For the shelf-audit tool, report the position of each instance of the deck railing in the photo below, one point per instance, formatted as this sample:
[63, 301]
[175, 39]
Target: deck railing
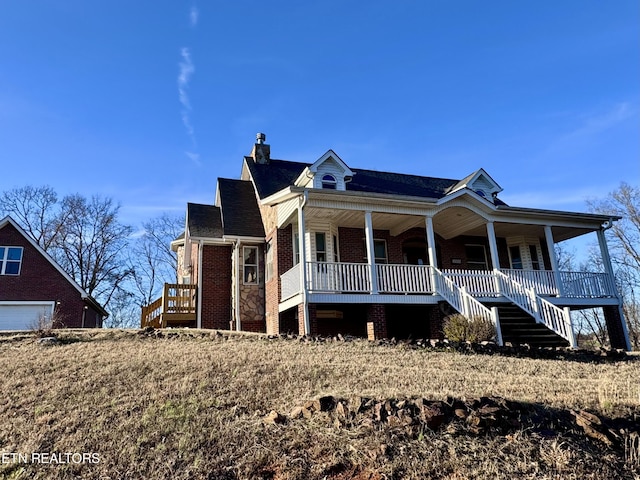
[177, 300]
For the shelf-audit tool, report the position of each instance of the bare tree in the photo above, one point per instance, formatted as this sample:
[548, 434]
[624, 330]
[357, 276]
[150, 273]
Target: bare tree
[151, 257]
[37, 210]
[92, 243]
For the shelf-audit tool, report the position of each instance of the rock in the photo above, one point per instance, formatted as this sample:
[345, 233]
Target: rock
[274, 418]
[296, 412]
[592, 426]
[342, 411]
[433, 415]
[48, 341]
[461, 413]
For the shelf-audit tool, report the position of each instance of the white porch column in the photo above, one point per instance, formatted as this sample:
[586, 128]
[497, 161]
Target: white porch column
[371, 254]
[493, 252]
[303, 263]
[431, 251]
[431, 243]
[604, 253]
[493, 246]
[548, 234]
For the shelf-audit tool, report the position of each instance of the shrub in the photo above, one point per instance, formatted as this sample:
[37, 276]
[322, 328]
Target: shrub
[459, 328]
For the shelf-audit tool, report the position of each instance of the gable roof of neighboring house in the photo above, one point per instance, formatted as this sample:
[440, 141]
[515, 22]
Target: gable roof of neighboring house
[276, 175]
[83, 294]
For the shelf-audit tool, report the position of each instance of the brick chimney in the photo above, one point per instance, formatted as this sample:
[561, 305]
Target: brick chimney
[261, 152]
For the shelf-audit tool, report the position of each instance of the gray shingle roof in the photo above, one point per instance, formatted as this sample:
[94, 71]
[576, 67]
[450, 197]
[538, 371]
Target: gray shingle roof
[204, 221]
[240, 211]
[278, 174]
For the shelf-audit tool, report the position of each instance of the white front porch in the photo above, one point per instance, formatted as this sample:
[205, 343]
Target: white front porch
[356, 278]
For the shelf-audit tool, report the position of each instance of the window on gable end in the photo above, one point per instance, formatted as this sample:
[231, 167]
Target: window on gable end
[329, 182]
[10, 260]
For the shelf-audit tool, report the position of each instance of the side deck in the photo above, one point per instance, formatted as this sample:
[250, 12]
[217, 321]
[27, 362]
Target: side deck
[175, 308]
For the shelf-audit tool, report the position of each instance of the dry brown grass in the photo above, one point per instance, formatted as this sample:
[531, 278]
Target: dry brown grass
[191, 406]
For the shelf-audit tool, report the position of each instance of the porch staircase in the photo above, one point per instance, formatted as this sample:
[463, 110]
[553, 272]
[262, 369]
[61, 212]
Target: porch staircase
[527, 319]
[518, 328]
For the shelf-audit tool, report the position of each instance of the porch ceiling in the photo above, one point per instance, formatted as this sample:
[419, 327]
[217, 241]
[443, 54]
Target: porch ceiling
[395, 223]
[449, 223]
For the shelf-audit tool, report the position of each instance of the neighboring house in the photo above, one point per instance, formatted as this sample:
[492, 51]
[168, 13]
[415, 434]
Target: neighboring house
[325, 248]
[34, 290]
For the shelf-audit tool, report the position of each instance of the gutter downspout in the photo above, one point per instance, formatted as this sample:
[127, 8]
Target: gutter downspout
[303, 260]
[199, 295]
[236, 262]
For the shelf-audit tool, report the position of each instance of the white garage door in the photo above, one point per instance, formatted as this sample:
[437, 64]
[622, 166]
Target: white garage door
[23, 316]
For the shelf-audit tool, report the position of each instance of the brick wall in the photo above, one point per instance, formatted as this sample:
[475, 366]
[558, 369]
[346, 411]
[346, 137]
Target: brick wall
[216, 286]
[376, 322]
[282, 243]
[39, 280]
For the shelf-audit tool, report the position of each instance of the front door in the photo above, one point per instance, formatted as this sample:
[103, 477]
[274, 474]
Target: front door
[414, 252]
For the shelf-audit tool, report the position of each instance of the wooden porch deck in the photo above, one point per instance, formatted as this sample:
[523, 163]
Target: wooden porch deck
[175, 308]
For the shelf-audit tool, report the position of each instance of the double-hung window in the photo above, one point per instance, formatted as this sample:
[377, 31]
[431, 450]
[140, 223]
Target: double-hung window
[10, 260]
[379, 250]
[250, 265]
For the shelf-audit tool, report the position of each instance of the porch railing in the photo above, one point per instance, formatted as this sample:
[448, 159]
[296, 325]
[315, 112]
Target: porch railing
[404, 278]
[543, 282]
[481, 283]
[587, 285]
[340, 277]
[290, 282]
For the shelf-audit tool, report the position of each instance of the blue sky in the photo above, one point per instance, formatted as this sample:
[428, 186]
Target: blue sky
[150, 102]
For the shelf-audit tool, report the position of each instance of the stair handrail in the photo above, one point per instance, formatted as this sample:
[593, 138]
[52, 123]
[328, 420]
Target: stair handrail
[554, 318]
[460, 299]
[522, 296]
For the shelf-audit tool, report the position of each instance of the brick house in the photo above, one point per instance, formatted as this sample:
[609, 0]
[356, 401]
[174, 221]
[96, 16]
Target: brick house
[325, 248]
[35, 289]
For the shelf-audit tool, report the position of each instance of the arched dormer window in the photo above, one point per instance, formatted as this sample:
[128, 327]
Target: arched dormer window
[329, 182]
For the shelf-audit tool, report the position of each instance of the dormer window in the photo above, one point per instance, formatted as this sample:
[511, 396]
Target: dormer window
[329, 182]
[481, 193]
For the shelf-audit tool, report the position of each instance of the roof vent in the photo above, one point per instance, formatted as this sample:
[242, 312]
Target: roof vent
[261, 152]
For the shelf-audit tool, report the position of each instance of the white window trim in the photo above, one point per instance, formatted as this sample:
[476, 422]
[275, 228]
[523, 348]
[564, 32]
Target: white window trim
[268, 261]
[5, 259]
[331, 184]
[256, 265]
[296, 247]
